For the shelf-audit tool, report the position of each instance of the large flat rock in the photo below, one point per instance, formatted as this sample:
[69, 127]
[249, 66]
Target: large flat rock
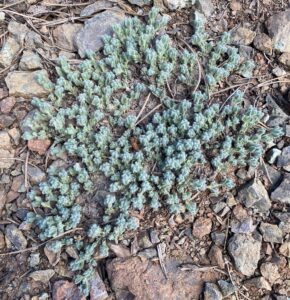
[143, 279]
[24, 84]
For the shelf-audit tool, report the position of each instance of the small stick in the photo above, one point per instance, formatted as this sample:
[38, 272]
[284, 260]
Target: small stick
[18, 159]
[66, 5]
[143, 107]
[230, 88]
[25, 170]
[150, 112]
[265, 167]
[199, 66]
[38, 246]
[12, 4]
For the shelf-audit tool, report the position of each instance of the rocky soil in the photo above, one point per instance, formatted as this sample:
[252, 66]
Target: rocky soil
[237, 247]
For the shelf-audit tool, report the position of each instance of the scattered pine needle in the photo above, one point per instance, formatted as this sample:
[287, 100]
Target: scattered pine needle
[42, 244]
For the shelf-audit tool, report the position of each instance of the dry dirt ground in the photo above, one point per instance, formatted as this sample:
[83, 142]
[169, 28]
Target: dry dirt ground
[171, 257]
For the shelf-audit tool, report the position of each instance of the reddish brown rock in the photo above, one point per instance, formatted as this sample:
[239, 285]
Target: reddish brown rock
[216, 256]
[39, 146]
[7, 104]
[143, 279]
[201, 227]
[65, 290]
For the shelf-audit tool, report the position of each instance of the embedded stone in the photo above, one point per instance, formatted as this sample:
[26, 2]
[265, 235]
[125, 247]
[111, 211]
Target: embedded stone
[278, 26]
[243, 36]
[212, 292]
[7, 104]
[263, 43]
[102, 5]
[15, 237]
[9, 50]
[64, 290]
[140, 3]
[282, 192]
[270, 271]
[271, 233]
[245, 251]
[39, 146]
[90, 37]
[24, 84]
[30, 61]
[42, 275]
[201, 227]
[64, 35]
[254, 195]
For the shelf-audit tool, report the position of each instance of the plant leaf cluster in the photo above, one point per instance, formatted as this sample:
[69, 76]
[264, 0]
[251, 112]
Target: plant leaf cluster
[187, 147]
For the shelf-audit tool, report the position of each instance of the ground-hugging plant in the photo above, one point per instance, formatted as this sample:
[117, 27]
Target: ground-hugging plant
[190, 145]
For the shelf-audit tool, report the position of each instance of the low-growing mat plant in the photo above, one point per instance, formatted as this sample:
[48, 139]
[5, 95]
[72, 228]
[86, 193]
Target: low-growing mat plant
[190, 144]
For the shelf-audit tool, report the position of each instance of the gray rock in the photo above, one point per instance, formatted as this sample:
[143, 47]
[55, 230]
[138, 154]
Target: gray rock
[245, 251]
[254, 195]
[90, 36]
[259, 282]
[6, 121]
[30, 61]
[227, 288]
[278, 27]
[35, 174]
[33, 40]
[15, 237]
[284, 158]
[243, 36]
[98, 289]
[272, 155]
[263, 43]
[212, 292]
[99, 6]
[246, 52]
[9, 50]
[284, 218]
[18, 30]
[243, 226]
[179, 4]
[218, 207]
[273, 174]
[140, 3]
[270, 271]
[148, 253]
[218, 238]
[271, 233]
[276, 110]
[24, 84]
[287, 131]
[205, 6]
[282, 192]
[64, 35]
